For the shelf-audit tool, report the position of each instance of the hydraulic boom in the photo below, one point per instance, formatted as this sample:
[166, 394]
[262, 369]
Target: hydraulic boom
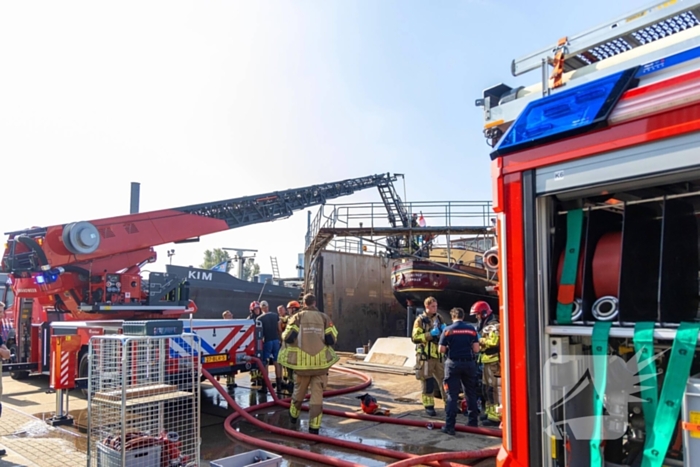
[90, 267]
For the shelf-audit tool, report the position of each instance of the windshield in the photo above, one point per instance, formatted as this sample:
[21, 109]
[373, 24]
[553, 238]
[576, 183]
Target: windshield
[7, 296]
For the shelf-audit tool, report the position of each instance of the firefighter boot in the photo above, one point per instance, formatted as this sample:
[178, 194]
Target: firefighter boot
[231, 383]
[429, 404]
[280, 386]
[493, 418]
[485, 414]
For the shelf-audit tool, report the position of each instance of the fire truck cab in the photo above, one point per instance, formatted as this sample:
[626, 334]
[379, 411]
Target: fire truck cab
[596, 172]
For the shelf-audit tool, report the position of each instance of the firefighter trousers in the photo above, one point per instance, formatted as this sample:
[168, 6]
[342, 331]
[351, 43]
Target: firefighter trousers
[316, 384]
[491, 374]
[458, 375]
[431, 374]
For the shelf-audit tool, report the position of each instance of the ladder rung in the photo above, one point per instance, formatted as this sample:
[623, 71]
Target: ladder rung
[623, 34]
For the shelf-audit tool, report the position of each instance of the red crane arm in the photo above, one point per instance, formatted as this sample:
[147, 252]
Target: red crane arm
[93, 267]
[123, 234]
[83, 242]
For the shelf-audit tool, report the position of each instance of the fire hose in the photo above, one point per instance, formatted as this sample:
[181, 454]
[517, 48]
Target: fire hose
[240, 412]
[370, 418]
[238, 436]
[442, 456]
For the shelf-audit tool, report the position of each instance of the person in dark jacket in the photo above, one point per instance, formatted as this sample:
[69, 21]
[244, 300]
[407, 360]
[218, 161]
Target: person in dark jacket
[460, 343]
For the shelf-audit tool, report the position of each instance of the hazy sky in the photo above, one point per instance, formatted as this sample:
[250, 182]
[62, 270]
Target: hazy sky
[208, 100]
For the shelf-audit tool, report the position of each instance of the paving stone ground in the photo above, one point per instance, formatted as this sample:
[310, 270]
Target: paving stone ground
[54, 447]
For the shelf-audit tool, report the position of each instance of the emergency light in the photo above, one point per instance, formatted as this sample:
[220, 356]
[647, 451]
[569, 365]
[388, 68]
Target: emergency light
[566, 113]
[48, 277]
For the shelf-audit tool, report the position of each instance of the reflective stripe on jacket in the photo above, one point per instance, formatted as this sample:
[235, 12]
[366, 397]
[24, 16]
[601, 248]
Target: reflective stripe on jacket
[425, 343]
[311, 334]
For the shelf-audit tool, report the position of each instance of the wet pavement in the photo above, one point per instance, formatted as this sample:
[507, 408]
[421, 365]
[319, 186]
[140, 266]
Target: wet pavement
[30, 439]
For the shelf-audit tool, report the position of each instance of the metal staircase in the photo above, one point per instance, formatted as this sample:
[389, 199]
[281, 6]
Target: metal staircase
[275, 268]
[393, 204]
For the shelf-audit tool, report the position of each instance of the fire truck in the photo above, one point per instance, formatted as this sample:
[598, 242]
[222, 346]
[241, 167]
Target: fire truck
[596, 180]
[85, 278]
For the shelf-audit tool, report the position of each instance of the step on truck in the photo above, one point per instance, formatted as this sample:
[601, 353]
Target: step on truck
[596, 179]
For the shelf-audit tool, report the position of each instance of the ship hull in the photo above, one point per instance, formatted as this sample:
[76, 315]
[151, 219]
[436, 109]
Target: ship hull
[414, 281]
[214, 292]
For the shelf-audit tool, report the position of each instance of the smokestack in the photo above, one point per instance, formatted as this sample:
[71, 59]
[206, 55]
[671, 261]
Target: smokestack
[135, 196]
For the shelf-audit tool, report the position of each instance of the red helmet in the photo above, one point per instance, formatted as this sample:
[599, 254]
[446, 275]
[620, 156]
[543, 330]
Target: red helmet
[482, 309]
[254, 305]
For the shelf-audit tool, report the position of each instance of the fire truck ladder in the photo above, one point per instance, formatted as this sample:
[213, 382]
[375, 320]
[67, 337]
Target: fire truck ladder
[607, 40]
[394, 206]
[282, 204]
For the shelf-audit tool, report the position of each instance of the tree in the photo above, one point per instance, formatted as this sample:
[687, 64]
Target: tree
[250, 269]
[212, 258]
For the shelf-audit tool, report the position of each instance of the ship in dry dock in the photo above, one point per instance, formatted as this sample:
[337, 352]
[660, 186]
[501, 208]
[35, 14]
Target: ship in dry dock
[457, 276]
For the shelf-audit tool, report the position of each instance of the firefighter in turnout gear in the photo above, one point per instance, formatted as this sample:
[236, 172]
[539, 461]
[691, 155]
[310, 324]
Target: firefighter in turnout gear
[489, 357]
[429, 367]
[293, 308]
[256, 378]
[308, 351]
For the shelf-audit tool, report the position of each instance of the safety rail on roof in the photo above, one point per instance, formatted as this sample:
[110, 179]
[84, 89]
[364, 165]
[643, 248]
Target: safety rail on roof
[613, 38]
[374, 215]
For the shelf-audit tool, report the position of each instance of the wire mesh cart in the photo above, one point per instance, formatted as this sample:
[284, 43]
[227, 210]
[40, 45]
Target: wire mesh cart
[143, 399]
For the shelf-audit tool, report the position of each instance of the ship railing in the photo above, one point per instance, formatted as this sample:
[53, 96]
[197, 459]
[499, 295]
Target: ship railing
[374, 215]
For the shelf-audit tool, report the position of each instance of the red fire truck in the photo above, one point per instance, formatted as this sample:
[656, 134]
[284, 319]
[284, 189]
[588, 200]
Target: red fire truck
[596, 176]
[84, 278]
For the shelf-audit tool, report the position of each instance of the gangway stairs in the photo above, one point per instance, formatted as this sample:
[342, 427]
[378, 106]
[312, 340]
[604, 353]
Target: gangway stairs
[394, 206]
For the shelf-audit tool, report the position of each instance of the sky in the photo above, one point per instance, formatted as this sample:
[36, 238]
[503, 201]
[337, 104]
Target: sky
[203, 101]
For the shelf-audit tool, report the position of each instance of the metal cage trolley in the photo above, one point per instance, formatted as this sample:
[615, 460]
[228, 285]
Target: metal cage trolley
[144, 397]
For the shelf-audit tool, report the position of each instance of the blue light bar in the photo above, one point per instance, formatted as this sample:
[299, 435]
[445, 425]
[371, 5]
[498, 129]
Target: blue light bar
[569, 112]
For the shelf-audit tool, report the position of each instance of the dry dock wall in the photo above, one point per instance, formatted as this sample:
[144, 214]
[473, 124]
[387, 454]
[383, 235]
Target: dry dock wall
[357, 295]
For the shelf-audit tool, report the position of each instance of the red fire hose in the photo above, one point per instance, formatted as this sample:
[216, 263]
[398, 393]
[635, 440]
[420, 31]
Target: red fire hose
[370, 418]
[341, 443]
[439, 456]
[237, 435]
[606, 264]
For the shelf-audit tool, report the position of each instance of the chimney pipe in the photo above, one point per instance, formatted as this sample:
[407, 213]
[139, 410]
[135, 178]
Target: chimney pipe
[135, 197]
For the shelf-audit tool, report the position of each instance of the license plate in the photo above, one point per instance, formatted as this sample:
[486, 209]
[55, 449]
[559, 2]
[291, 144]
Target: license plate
[216, 358]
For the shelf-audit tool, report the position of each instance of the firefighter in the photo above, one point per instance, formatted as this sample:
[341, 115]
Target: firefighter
[256, 379]
[429, 366]
[308, 351]
[489, 357]
[255, 310]
[287, 373]
[460, 344]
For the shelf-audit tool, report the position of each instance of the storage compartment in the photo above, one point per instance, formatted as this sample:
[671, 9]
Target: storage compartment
[637, 270]
[569, 416]
[638, 255]
[257, 458]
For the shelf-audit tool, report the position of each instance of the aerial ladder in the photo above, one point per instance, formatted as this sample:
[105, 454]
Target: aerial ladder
[90, 271]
